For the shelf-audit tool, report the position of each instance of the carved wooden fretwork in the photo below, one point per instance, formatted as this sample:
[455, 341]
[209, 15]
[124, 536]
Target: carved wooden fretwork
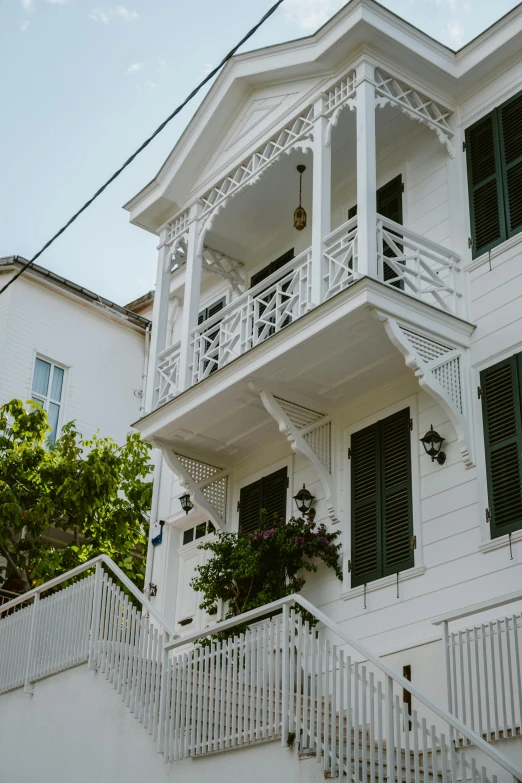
[308, 433]
[439, 369]
[296, 135]
[207, 484]
[178, 226]
[225, 266]
[339, 97]
[415, 105]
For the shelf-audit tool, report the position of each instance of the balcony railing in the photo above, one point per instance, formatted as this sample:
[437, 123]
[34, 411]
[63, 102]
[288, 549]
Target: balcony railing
[406, 261]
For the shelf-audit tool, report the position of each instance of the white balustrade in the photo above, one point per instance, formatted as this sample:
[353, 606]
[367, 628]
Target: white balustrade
[279, 678]
[340, 258]
[168, 373]
[256, 315]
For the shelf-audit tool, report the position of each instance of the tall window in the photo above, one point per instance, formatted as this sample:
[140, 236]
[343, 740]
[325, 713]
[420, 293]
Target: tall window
[501, 395]
[268, 493]
[47, 389]
[494, 158]
[382, 522]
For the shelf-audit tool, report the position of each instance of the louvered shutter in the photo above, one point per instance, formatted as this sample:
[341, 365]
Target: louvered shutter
[397, 520]
[485, 185]
[272, 267]
[389, 205]
[250, 499]
[510, 121]
[501, 406]
[366, 502]
[274, 493]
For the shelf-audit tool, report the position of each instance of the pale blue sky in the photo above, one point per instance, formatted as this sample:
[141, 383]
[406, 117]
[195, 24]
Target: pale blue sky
[83, 82]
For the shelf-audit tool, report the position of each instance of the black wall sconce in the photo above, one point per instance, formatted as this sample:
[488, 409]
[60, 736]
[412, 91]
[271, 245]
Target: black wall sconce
[303, 501]
[186, 503]
[432, 443]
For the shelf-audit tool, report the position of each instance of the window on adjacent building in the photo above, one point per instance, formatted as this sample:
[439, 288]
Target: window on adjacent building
[47, 389]
[494, 158]
[501, 395]
[268, 493]
[382, 521]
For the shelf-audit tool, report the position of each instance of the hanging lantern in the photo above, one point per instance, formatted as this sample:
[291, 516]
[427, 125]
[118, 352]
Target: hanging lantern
[304, 500]
[186, 503]
[432, 443]
[300, 213]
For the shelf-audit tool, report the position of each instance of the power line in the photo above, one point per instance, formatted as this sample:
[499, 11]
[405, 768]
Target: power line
[145, 143]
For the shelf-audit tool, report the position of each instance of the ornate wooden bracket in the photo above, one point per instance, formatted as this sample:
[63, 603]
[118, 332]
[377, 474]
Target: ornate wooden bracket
[439, 368]
[312, 441]
[207, 484]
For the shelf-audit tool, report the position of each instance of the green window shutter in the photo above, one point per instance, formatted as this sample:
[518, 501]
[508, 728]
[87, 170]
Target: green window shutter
[501, 407]
[397, 516]
[366, 501]
[510, 122]
[389, 205]
[250, 499]
[485, 185]
[269, 269]
[274, 493]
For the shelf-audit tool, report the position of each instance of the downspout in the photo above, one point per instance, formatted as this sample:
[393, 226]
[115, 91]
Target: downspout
[145, 369]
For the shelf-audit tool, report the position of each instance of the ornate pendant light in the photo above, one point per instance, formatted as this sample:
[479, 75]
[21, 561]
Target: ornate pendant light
[300, 214]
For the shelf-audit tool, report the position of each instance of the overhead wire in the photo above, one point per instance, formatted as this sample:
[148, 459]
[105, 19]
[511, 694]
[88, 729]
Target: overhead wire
[145, 144]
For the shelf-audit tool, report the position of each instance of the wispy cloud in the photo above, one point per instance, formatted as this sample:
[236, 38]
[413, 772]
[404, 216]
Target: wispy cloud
[459, 12]
[27, 5]
[308, 15]
[206, 70]
[161, 66]
[134, 67]
[119, 12]
[24, 26]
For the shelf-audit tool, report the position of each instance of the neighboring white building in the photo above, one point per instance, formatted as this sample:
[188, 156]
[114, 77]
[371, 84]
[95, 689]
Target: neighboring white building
[322, 357]
[82, 356]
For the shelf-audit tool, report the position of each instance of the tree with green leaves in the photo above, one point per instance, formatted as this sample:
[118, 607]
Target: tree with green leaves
[93, 490]
[249, 570]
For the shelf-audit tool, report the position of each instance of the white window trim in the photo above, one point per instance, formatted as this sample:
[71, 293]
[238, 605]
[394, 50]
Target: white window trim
[238, 485]
[419, 568]
[487, 544]
[65, 387]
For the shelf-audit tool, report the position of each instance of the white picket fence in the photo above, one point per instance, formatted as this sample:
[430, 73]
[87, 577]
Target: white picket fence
[278, 679]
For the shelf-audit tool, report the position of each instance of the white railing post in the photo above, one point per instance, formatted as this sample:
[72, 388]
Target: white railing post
[159, 321]
[28, 688]
[95, 619]
[189, 318]
[447, 672]
[321, 200]
[285, 676]
[366, 171]
[390, 745]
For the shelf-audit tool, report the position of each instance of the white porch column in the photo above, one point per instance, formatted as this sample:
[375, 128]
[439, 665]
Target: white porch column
[366, 171]
[159, 321]
[321, 199]
[189, 319]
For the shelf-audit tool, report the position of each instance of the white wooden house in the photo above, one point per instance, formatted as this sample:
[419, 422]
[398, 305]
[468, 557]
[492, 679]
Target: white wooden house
[321, 357]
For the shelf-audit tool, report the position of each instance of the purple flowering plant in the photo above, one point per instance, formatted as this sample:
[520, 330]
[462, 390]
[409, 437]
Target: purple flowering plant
[247, 570]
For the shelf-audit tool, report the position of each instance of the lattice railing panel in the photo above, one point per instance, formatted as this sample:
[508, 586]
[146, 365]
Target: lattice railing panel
[216, 494]
[299, 416]
[168, 372]
[265, 155]
[340, 92]
[340, 258]
[198, 471]
[178, 226]
[448, 375]
[320, 441]
[427, 349]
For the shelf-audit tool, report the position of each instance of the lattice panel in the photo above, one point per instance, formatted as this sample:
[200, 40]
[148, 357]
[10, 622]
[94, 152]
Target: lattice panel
[168, 374]
[216, 494]
[340, 92]
[199, 471]
[320, 441]
[299, 416]
[340, 258]
[283, 141]
[178, 226]
[427, 349]
[448, 375]
[413, 103]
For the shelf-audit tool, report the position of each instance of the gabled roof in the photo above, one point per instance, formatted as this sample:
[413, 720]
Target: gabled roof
[360, 23]
[36, 271]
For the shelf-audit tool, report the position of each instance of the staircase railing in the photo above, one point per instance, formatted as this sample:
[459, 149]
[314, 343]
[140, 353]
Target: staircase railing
[280, 678]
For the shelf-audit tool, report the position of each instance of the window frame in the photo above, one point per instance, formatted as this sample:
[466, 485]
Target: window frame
[45, 401]
[500, 174]
[416, 452]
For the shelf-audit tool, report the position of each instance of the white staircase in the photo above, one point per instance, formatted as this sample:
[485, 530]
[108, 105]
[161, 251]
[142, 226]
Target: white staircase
[316, 687]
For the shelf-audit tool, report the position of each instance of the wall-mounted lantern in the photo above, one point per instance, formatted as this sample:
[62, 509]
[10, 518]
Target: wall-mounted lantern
[303, 501]
[432, 443]
[186, 503]
[300, 213]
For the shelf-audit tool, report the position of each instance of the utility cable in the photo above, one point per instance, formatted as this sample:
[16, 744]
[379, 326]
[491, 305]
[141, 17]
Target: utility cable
[145, 143]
